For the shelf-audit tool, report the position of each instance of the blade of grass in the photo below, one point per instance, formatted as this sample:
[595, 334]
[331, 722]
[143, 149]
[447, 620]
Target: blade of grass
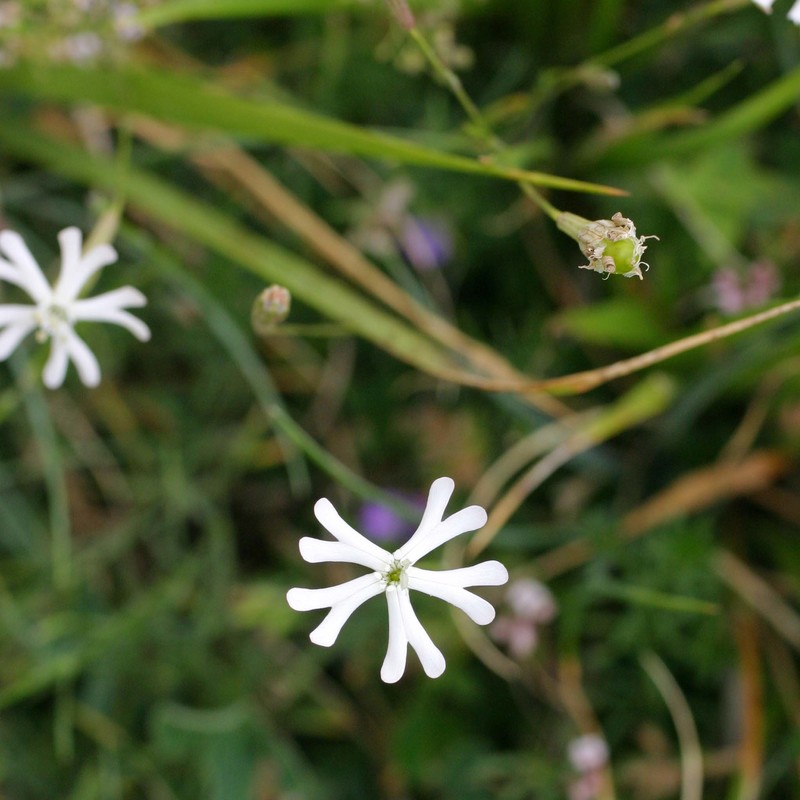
[168, 13]
[691, 751]
[208, 107]
[746, 117]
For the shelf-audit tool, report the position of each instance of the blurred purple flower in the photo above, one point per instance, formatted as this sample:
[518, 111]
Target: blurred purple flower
[382, 523]
[426, 243]
[389, 227]
[733, 292]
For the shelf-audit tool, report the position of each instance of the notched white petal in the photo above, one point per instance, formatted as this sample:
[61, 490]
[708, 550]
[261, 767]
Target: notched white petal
[108, 307]
[487, 573]
[77, 269]
[317, 551]
[468, 519]
[476, 608]
[326, 633]
[329, 518]
[438, 497]
[310, 599]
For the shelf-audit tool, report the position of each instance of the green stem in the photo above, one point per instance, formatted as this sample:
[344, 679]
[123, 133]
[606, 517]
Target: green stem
[44, 434]
[474, 114]
[673, 25]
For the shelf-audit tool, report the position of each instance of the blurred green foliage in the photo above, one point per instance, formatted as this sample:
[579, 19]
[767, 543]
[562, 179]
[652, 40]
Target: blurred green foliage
[149, 527]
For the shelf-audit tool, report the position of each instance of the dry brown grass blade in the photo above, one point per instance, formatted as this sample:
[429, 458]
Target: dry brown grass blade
[580, 382]
[758, 594]
[751, 751]
[704, 487]
[688, 494]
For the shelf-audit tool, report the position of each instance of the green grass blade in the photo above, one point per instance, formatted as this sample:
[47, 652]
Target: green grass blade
[202, 106]
[168, 13]
[748, 116]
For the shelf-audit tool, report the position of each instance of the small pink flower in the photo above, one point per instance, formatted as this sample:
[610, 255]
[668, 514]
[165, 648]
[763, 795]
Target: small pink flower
[588, 753]
[532, 600]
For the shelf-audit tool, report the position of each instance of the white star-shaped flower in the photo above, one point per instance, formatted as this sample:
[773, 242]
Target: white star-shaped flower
[57, 309]
[394, 575]
[794, 11]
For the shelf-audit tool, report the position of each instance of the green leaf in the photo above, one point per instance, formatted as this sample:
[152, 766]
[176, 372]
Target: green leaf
[620, 322]
[167, 13]
[206, 107]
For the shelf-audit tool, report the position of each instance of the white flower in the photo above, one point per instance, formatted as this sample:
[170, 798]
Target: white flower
[394, 575]
[794, 11]
[57, 309]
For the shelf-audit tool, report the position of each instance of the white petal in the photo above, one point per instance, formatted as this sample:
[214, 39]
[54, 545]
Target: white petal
[71, 242]
[438, 497]
[794, 13]
[10, 274]
[310, 599]
[476, 608]
[13, 313]
[316, 551]
[327, 631]
[76, 269]
[329, 518]
[55, 370]
[394, 664]
[13, 335]
[124, 297]
[30, 276]
[468, 519]
[429, 654]
[766, 5]
[84, 360]
[487, 573]
[88, 311]
[343, 599]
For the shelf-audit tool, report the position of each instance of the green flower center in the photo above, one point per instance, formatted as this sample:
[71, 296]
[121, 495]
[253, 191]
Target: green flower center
[52, 320]
[396, 574]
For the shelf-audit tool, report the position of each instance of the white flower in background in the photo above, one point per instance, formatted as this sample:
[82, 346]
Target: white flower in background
[394, 575]
[57, 309]
[794, 11]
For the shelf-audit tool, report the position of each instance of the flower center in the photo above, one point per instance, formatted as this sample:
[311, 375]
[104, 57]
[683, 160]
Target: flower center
[52, 319]
[396, 574]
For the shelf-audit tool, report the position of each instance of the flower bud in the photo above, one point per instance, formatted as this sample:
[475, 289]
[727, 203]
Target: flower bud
[611, 245]
[270, 308]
